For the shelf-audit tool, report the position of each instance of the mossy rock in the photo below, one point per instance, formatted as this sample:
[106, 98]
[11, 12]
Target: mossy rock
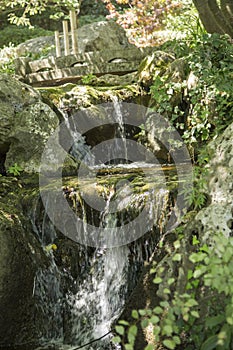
[152, 65]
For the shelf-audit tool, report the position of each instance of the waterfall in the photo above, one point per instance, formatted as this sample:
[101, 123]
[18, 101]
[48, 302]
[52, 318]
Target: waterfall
[101, 297]
[85, 293]
[79, 149]
[120, 132]
[85, 309]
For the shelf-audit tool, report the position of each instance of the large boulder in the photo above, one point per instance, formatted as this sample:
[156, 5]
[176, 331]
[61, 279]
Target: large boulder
[97, 36]
[218, 216]
[25, 124]
[100, 36]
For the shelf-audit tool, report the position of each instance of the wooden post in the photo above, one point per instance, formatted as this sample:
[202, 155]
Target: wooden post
[66, 37]
[73, 25]
[57, 43]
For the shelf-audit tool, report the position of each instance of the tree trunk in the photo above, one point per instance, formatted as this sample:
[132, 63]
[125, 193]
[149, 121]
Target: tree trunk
[220, 17]
[227, 8]
[214, 18]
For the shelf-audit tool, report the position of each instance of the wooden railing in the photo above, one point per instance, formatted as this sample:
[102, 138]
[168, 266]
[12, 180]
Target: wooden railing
[65, 36]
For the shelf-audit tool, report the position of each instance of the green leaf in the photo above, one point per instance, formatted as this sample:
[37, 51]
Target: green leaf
[167, 329]
[164, 304]
[135, 314]
[229, 320]
[176, 339]
[149, 347]
[177, 257]
[224, 336]
[158, 310]
[205, 248]
[123, 322]
[199, 271]
[120, 330]
[197, 257]
[190, 274]
[191, 302]
[144, 323]
[214, 321]
[154, 319]
[157, 280]
[195, 240]
[210, 343]
[116, 340]
[170, 344]
[131, 338]
[176, 244]
[195, 314]
[166, 291]
[156, 330]
[143, 312]
[128, 347]
[133, 330]
[171, 281]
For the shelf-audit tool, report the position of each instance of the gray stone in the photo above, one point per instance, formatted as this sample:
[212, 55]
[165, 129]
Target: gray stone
[96, 36]
[103, 35]
[20, 257]
[218, 216]
[25, 124]
[36, 46]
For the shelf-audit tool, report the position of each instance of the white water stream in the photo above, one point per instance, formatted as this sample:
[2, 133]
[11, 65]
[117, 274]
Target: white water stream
[97, 297]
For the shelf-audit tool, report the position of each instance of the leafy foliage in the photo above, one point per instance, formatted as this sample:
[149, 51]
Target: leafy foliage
[141, 18]
[200, 101]
[202, 313]
[88, 79]
[15, 170]
[21, 10]
[17, 35]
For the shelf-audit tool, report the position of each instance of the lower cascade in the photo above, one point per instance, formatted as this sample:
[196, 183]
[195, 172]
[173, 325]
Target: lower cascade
[84, 293]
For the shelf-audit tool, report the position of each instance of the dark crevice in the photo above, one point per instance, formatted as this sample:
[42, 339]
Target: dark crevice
[3, 152]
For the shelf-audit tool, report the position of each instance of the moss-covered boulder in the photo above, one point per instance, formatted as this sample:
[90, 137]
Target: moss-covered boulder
[25, 124]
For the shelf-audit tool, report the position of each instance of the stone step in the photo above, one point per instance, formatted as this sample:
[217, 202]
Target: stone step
[55, 70]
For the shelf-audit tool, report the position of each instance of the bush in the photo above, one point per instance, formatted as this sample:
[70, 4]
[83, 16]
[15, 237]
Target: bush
[16, 35]
[201, 317]
[200, 103]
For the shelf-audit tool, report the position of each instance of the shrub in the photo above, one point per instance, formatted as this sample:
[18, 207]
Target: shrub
[16, 35]
[200, 104]
[202, 315]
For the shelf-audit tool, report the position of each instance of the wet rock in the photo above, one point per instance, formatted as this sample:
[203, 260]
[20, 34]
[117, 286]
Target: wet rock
[20, 257]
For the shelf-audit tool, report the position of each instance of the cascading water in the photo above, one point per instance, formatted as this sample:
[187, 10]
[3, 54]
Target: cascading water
[83, 301]
[120, 132]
